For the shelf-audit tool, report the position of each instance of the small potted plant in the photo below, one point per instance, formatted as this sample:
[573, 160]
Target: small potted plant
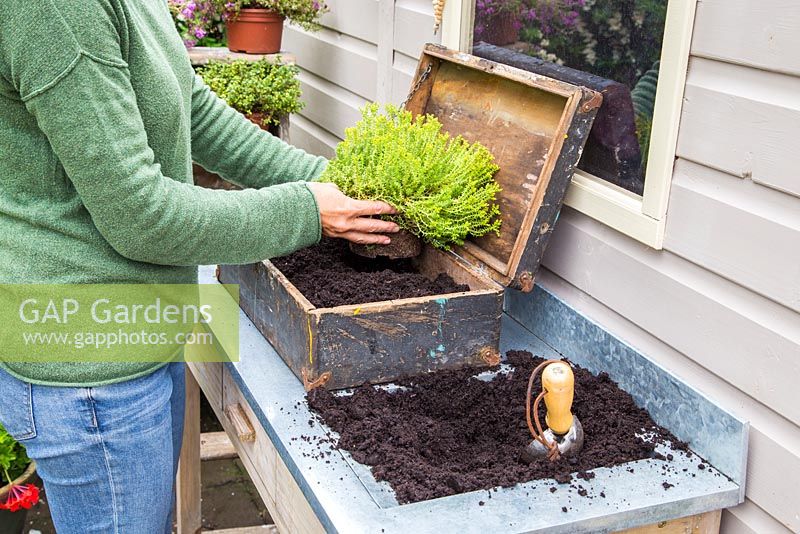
[442, 186]
[256, 26]
[498, 22]
[261, 90]
[17, 491]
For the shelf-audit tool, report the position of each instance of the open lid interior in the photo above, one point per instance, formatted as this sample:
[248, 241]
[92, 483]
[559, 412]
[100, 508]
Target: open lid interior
[525, 120]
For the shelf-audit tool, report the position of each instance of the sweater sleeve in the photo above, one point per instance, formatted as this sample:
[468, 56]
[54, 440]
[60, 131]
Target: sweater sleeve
[225, 142]
[81, 95]
[93, 124]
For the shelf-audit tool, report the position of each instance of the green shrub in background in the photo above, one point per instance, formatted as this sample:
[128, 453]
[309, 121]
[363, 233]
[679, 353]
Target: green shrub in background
[441, 186]
[13, 458]
[255, 87]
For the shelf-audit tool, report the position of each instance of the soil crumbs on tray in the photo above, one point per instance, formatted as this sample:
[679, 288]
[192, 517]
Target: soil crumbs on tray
[450, 433]
[330, 275]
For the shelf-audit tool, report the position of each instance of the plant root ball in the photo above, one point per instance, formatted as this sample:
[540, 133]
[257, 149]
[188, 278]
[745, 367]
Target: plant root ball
[404, 245]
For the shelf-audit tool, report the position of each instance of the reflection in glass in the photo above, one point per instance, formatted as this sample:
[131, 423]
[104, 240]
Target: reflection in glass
[612, 46]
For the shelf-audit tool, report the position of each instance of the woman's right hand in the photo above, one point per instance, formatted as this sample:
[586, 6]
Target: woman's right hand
[351, 219]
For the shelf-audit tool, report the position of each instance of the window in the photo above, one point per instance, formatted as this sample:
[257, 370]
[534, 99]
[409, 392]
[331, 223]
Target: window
[624, 177]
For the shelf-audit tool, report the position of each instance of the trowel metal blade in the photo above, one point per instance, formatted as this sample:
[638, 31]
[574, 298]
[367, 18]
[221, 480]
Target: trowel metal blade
[569, 444]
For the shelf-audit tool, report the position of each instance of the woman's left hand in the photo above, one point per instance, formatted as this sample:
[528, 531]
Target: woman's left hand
[352, 219]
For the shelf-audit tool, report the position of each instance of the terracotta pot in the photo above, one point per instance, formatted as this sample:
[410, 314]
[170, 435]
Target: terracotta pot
[255, 31]
[14, 522]
[502, 30]
[257, 118]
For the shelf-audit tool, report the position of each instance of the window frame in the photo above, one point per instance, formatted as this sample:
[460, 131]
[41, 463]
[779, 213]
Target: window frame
[641, 217]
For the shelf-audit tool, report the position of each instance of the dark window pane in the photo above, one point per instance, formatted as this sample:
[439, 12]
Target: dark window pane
[612, 46]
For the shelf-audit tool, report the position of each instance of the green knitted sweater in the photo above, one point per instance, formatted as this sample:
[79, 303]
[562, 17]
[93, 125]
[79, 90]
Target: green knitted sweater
[101, 116]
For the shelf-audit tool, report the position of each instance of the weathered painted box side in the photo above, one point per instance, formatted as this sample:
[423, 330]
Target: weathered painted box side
[382, 341]
[374, 342]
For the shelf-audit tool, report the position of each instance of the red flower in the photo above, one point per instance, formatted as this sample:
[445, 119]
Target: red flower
[21, 497]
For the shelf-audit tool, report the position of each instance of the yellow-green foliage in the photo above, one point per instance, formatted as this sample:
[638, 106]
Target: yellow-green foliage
[441, 185]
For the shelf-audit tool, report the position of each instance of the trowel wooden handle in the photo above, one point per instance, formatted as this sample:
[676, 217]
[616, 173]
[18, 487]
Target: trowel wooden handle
[559, 384]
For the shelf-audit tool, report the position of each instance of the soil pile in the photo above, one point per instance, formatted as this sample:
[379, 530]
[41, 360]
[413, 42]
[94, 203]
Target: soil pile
[329, 274]
[450, 433]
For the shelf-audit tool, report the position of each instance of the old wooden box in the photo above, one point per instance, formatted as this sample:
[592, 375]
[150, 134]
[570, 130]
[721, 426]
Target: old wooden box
[535, 127]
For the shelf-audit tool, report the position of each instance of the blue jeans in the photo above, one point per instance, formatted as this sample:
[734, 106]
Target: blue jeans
[107, 455]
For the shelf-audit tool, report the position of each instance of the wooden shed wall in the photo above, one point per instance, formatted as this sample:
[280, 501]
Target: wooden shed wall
[720, 305]
[367, 51]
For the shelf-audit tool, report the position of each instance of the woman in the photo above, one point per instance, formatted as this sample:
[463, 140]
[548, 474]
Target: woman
[101, 116]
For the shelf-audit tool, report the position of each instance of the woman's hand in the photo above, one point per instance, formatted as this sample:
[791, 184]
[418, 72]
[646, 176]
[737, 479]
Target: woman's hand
[350, 219]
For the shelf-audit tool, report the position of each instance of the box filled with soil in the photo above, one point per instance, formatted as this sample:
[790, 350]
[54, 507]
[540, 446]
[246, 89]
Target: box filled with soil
[352, 279]
[343, 319]
[451, 432]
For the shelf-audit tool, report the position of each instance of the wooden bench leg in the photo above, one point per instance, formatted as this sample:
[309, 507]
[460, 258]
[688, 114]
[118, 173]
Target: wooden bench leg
[188, 483]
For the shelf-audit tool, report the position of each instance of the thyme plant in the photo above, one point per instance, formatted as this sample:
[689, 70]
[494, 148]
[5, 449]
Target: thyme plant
[255, 86]
[442, 186]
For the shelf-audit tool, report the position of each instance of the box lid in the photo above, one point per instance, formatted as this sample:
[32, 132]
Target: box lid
[534, 126]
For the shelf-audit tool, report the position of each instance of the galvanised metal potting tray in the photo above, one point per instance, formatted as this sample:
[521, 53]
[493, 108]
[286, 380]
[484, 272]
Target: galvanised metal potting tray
[346, 498]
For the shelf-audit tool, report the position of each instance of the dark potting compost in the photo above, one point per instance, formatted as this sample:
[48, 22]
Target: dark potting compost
[448, 432]
[329, 275]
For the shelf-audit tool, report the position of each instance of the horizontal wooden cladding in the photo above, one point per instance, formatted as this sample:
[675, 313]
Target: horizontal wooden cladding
[748, 518]
[773, 472]
[413, 26]
[737, 229]
[774, 449]
[348, 16]
[403, 69]
[342, 60]
[745, 339]
[311, 138]
[760, 33]
[742, 121]
[334, 109]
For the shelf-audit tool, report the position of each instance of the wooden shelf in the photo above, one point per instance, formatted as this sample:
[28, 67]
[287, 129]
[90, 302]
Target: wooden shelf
[200, 55]
[216, 446]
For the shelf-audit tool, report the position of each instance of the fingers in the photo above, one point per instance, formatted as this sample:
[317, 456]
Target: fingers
[352, 219]
[373, 226]
[361, 238]
[372, 207]
[359, 227]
